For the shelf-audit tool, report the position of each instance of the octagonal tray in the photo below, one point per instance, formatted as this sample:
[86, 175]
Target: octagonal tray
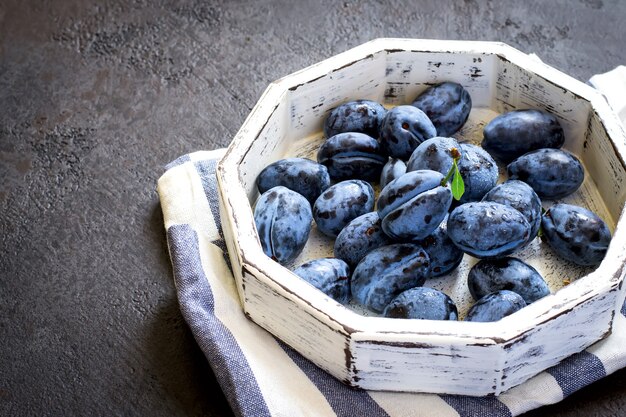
[460, 357]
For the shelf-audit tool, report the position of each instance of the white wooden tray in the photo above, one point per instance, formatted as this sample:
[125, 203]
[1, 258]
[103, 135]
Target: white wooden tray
[422, 355]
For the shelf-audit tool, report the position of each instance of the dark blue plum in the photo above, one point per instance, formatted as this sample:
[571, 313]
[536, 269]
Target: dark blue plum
[341, 203]
[434, 153]
[512, 134]
[478, 170]
[387, 271]
[405, 127]
[444, 255]
[520, 196]
[412, 206]
[298, 174]
[359, 237]
[352, 156]
[364, 116]
[283, 221]
[329, 275]
[494, 306]
[552, 173]
[406, 187]
[576, 234]
[490, 275]
[447, 105]
[394, 168]
[487, 229]
[422, 303]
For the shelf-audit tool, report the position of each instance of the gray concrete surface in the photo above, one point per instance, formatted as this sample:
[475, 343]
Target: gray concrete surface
[96, 97]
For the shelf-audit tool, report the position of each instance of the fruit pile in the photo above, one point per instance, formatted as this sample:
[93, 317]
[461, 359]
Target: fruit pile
[439, 200]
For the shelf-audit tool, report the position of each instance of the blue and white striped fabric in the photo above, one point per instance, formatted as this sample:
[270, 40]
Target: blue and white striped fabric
[261, 376]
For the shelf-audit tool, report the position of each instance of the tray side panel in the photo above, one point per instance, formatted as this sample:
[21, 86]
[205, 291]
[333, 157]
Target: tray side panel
[279, 312]
[437, 366]
[605, 168]
[408, 74]
[556, 339]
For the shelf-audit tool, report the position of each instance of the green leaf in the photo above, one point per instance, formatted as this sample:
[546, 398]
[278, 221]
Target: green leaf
[457, 186]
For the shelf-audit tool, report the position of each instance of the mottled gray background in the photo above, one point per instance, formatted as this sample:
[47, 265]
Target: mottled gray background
[96, 97]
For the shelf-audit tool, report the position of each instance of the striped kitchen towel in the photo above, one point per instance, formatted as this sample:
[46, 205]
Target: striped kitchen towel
[261, 376]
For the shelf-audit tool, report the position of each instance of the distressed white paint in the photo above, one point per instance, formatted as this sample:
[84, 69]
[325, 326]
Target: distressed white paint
[422, 355]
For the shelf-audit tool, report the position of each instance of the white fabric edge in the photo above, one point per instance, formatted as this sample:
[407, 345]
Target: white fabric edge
[612, 85]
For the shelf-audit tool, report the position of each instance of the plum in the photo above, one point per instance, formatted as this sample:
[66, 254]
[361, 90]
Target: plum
[517, 132]
[394, 168]
[301, 175]
[329, 275]
[495, 306]
[364, 116]
[359, 237]
[490, 275]
[422, 303]
[478, 169]
[488, 229]
[520, 196]
[412, 206]
[443, 253]
[352, 156]
[435, 153]
[403, 128]
[341, 203]
[552, 173]
[447, 105]
[576, 234]
[387, 271]
[283, 221]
